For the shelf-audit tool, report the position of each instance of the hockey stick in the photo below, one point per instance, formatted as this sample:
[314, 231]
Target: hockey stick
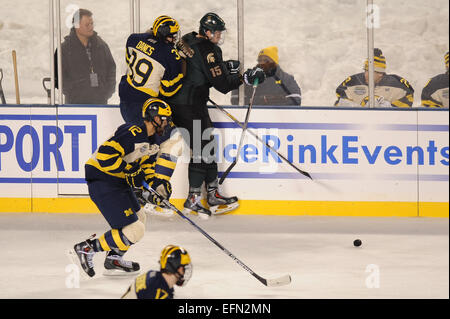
[244, 128]
[2, 95]
[281, 281]
[16, 76]
[259, 139]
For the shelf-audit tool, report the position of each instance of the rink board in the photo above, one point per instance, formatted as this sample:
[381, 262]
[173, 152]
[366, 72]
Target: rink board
[363, 162]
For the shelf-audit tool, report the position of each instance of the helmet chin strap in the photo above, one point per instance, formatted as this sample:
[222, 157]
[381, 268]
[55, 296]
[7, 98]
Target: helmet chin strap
[180, 278]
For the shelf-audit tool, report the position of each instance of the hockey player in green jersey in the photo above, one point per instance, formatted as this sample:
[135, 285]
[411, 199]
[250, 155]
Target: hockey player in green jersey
[204, 70]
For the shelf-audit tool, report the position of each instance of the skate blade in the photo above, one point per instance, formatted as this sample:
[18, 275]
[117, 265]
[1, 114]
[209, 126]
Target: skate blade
[222, 209]
[153, 210]
[74, 260]
[187, 212]
[119, 273]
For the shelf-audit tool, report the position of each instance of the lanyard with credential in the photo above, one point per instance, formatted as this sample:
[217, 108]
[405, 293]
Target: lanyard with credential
[92, 76]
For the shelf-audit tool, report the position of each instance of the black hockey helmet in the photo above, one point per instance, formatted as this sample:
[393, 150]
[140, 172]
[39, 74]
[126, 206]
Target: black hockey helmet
[211, 22]
[156, 107]
[165, 26]
[172, 258]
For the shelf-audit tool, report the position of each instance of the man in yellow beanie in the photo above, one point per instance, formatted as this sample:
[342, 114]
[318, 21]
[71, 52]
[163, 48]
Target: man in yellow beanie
[279, 88]
[391, 90]
[435, 92]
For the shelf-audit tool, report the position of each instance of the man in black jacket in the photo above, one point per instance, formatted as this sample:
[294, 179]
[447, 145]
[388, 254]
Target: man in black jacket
[279, 88]
[205, 69]
[88, 68]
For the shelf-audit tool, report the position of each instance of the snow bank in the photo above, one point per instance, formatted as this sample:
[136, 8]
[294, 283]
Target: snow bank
[320, 42]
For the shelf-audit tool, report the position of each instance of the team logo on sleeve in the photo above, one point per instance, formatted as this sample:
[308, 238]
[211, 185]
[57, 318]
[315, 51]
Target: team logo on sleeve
[360, 90]
[210, 58]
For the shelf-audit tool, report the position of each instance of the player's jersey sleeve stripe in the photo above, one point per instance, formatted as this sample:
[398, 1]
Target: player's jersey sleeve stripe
[170, 87]
[430, 103]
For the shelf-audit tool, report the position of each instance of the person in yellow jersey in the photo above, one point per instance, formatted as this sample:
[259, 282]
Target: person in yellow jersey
[435, 92]
[391, 90]
[131, 156]
[175, 269]
[154, 68]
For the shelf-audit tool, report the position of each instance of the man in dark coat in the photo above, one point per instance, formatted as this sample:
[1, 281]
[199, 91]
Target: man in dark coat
[88, 68]
[279, 88]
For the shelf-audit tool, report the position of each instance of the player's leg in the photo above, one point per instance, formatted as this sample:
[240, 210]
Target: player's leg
[189, 118]
[120, 208]
[218, 204]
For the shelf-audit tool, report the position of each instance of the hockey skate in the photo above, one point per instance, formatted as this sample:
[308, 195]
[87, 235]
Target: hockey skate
[192, 205]
[158, 211]
[115, 265]
[83, 254]
[219, 204]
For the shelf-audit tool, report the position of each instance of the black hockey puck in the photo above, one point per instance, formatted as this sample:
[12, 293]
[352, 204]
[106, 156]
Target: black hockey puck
[357, 242]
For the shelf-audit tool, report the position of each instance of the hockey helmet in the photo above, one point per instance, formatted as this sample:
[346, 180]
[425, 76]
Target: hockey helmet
[165, 26]
[156, 107]
[174, 257]
[211, 22]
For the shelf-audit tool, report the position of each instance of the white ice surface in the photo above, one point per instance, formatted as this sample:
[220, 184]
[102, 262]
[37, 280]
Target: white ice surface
[412, 256]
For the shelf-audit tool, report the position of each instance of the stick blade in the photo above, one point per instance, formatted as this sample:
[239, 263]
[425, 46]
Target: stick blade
[277, 282]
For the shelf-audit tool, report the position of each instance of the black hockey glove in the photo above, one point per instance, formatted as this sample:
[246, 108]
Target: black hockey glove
[134, 176]
[251, 75]
[234, 66]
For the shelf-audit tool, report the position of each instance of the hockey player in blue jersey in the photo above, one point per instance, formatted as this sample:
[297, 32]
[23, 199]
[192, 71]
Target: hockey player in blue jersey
[154, 67]
[175, 269]
[134, 154]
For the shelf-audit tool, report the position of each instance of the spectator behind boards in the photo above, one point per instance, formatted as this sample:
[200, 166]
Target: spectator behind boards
[435, 92]
[279, 88]
[88, 68]
[391, 90]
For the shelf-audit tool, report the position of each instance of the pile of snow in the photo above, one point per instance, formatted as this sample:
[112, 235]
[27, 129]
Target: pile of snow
[320, 42]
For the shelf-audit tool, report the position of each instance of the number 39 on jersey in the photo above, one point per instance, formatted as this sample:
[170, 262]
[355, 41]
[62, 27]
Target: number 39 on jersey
[153, 67]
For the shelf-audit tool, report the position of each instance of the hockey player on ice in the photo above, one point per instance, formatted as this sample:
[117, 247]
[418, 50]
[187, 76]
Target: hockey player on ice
[154, 68]
[175, 269]
[134, 154]
[206, 69]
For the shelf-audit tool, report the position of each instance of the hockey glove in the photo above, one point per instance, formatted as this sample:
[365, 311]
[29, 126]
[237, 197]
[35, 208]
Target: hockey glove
[184, 49]
[234, 66]
[252, 74]
[141, 196]
[134, 175]
[163, 187]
